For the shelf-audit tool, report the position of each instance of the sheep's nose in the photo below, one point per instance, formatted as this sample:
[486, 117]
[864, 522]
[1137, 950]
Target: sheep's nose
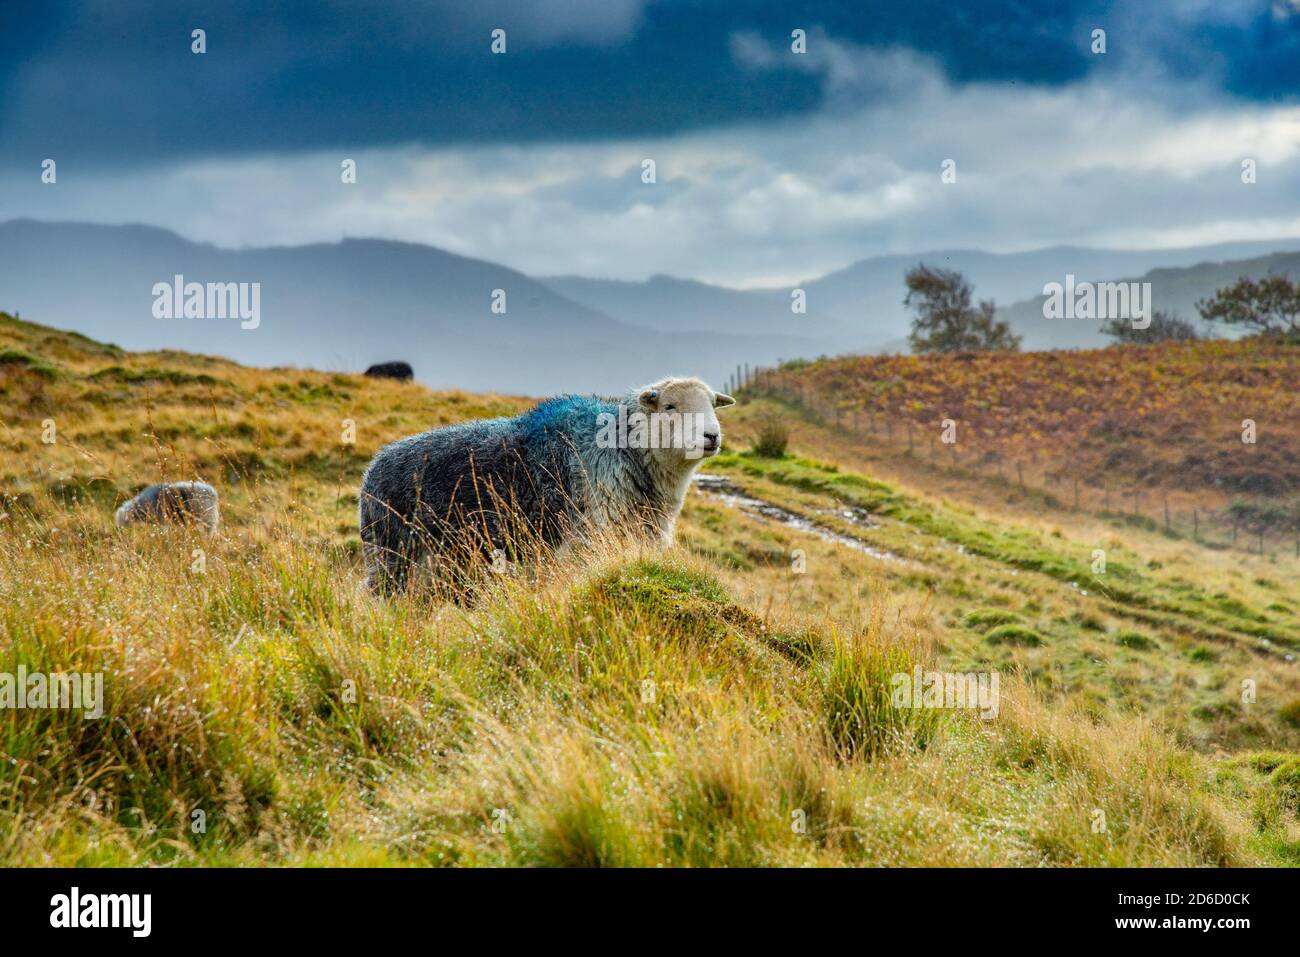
[711, 438]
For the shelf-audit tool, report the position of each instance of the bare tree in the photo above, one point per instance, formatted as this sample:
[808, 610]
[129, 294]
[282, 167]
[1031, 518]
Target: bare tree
[1267, 306]
[946, 321]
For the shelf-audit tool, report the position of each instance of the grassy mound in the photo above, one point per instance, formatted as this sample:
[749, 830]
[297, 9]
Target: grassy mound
[986, 617]
[1013, 635]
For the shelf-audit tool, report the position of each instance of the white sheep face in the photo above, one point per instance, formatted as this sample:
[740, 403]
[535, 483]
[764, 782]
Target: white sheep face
[686, 410]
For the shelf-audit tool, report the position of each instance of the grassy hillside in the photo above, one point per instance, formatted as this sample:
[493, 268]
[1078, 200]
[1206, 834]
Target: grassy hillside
[1154, 432]
[725, 702]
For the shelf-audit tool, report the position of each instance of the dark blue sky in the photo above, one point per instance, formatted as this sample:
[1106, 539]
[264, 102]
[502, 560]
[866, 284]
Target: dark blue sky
[771, 166]
[115, 82]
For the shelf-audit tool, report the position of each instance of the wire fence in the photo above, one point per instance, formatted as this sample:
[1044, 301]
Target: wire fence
[1214, 519]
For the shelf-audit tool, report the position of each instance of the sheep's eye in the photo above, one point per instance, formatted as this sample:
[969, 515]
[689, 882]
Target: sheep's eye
[669, 408]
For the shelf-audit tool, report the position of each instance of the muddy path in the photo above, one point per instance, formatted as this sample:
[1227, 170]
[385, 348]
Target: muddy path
[719, 488]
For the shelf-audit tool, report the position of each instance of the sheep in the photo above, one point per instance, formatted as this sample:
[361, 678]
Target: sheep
[172, 502]
[549, 476]
[391, 370]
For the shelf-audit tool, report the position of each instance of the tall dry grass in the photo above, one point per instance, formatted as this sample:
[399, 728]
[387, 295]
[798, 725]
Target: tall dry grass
[611, 709]
[604, 708]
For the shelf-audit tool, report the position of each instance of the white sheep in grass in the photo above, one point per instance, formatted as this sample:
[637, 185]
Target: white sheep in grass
[554, 471]
[173, 502]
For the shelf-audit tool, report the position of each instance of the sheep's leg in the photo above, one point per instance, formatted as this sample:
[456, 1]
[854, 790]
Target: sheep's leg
[387, 547]
[386, 569]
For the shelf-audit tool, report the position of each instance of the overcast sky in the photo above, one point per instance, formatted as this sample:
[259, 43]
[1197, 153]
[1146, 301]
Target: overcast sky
[772, 166]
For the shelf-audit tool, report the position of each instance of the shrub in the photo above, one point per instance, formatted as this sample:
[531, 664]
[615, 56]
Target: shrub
[861, 716]
[1014, 635]
[1135, 640]
[16, 357]
[1285, 781]
[772, 439]
[1290, 713]
[1163, 327]
[1087, 621]
[987, 617]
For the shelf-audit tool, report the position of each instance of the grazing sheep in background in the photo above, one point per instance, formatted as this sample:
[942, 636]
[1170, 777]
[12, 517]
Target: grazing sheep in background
[172, 502]
[391, 370]
[543, 477]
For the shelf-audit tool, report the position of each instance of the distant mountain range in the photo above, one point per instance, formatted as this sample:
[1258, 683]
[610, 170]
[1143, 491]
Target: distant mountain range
[860, 308]
[345, 305]
[684, 305]
[1175, 290]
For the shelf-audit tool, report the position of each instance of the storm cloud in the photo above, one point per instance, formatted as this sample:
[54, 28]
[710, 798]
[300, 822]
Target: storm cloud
[771, 166]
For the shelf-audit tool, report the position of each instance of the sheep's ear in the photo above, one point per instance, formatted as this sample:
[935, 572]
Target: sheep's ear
[721, 400]
[650, 398]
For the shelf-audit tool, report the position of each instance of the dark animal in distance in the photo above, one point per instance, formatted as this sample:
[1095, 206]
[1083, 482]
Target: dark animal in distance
[391, 370]
[550, 473]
